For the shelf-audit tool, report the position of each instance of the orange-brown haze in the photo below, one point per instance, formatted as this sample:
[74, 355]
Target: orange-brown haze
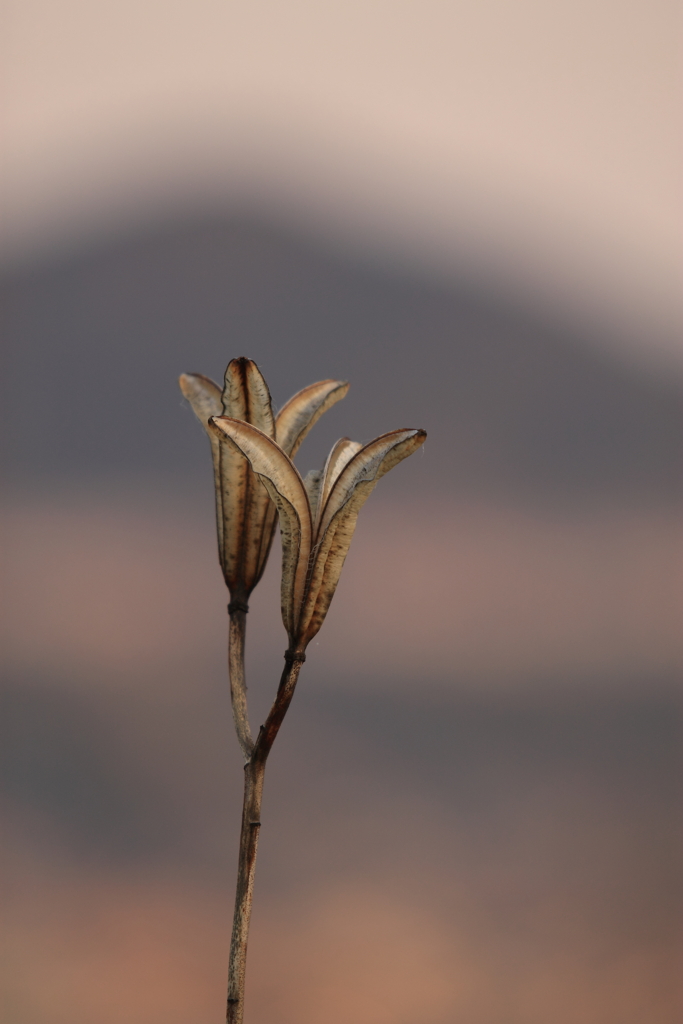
[471, 813]
[490, 875]
[598, 592]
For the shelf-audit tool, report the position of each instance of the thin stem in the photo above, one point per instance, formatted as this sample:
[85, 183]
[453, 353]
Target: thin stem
[254, 772]
[251, 826]
[238, 685]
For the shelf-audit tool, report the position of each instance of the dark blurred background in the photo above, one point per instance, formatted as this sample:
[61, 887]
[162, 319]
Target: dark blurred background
[471, 813]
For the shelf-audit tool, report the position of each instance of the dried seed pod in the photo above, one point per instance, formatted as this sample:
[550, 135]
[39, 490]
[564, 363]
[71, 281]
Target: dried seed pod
[245, 514]
[317, 518]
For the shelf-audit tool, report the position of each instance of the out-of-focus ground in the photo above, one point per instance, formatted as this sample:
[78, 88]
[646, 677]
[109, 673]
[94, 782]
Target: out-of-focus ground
[431, 860]
[472, 810]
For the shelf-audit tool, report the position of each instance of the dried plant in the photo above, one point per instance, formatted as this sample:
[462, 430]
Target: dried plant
[256, 481]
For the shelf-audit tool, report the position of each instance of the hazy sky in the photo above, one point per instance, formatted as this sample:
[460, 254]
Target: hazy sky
[476, 782]
[538, 141]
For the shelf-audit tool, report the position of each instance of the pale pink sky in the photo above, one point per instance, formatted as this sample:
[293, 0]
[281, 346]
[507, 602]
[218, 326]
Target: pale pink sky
[538, 142]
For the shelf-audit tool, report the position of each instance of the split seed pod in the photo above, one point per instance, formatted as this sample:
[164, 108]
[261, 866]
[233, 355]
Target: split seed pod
[245, 514]
[317, 515]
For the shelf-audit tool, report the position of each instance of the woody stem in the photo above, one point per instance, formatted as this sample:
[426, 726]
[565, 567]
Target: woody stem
[238, 685]
[254, 772]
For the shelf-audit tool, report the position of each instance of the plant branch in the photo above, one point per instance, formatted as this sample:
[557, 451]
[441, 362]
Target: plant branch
[285, 691]
[238, 685]
[254, 772]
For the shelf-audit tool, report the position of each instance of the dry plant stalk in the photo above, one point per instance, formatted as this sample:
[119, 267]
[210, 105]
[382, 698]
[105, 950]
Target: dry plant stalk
[257, 483]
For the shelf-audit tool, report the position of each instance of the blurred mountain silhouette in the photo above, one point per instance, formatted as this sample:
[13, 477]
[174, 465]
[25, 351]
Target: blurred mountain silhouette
[512, 401]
